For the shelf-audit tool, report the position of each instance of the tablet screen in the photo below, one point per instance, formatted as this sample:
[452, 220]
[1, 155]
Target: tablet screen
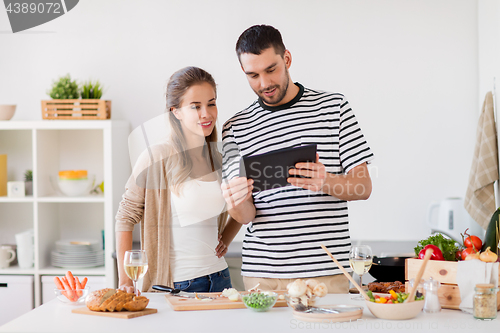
[270, 170]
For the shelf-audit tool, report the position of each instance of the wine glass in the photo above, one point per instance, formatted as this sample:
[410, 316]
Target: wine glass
[360, 259]
[136, 266]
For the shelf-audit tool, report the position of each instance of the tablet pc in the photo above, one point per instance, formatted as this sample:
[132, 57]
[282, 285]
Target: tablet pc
[270, 170]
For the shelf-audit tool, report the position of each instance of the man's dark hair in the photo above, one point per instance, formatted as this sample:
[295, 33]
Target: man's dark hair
[258, 38]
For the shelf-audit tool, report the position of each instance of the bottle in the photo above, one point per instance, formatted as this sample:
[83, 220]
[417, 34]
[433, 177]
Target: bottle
[485, 301]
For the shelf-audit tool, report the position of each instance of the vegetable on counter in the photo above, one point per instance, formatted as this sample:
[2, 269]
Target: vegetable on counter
[472, 241]
[492, 233]
[448, 247]
[470, 253]
[436, 254]
[488, 256]
[394, 298]
[259, 300]
[71, 286]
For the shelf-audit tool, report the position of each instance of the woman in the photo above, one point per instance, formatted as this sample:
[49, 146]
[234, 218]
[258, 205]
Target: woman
[175, 192]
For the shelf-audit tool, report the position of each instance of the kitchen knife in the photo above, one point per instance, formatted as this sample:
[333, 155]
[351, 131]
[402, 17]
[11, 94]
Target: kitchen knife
[179, 293]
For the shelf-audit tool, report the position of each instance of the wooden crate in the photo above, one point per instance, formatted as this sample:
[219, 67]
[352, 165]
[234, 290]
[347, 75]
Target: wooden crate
[446, 273]
[76, 109]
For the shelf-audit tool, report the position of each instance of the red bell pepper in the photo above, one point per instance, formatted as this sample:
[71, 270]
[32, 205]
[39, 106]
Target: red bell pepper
[436, 255]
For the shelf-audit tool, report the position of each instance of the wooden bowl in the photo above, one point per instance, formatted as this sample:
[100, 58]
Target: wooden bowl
[7, 111]
[399, 311]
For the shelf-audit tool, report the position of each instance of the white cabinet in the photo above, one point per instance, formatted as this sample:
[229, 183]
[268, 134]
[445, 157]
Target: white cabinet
[47, 147]
[16, 293]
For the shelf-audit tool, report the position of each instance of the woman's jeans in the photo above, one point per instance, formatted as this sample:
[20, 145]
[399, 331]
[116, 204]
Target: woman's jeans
[215, 282]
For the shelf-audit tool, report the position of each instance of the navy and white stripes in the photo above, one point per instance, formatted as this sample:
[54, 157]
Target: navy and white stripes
[283, 241]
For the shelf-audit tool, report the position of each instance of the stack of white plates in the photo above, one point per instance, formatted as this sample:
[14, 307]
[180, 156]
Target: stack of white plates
[78, 254]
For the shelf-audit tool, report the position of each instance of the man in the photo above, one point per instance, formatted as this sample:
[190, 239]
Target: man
[288, 224]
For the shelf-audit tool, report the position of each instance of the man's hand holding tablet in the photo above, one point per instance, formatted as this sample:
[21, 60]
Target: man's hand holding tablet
[314, 175]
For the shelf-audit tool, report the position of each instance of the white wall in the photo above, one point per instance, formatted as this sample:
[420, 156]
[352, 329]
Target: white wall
[489, 57]
[408, 67]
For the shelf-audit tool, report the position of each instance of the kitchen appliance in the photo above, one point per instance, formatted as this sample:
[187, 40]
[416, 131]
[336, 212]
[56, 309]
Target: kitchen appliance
[388, 269]
[450, 218]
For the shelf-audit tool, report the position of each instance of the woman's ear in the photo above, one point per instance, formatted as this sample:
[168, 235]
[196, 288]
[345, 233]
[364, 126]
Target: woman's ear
[176, 113]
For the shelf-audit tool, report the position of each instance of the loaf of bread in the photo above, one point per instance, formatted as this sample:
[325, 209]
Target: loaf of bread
[115, 300]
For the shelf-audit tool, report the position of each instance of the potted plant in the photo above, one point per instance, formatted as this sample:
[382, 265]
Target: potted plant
[91, 90]
[64, 88]
[67, 105]
[28, 182]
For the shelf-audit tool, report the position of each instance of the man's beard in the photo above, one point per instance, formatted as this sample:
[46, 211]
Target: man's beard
[281, 89]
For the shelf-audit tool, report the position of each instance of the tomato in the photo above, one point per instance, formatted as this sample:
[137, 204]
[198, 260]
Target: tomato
[473, 240]
[458, 255]
[467, 251]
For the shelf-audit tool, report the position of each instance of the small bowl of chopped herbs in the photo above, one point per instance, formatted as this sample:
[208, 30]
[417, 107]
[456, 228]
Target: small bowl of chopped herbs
[260, 301]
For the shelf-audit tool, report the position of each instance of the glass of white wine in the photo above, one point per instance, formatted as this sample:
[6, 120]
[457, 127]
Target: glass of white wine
[360, 259]
[136, 266]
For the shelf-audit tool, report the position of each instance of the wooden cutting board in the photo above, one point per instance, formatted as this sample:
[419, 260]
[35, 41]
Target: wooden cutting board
[329, 317]
[120, 314]
[189, 304]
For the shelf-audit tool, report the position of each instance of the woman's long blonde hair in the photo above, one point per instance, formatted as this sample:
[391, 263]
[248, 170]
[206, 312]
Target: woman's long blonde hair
[179, 165]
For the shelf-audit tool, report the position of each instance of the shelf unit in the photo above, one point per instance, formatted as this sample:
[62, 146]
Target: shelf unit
[46, 147]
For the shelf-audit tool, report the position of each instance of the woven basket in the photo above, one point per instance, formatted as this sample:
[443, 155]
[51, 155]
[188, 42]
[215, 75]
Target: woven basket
[76, 109]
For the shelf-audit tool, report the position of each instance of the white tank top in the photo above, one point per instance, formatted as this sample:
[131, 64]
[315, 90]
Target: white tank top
[194, 230]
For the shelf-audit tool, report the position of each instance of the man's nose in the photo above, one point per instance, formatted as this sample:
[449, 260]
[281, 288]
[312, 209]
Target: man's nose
[265, 82]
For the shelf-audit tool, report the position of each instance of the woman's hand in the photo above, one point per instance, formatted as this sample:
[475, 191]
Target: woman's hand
[126, 287]
[236, 191]
[221, 248]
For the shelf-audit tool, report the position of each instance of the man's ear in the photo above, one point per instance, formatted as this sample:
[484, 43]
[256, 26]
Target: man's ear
[288, 59]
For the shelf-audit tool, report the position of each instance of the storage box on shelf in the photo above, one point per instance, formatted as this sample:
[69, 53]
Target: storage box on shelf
[50, 146]
[76, 109]
[444, 272]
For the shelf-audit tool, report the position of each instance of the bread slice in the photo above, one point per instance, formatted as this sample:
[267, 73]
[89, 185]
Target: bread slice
[137, 304]
[118, 297]
[127, 298]
[95, 299]
[104, 304]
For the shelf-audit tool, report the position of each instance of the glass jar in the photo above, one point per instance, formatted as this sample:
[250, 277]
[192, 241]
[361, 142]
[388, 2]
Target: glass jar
[485, 301]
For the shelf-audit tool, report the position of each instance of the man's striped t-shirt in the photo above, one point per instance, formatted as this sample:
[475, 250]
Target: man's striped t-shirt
[283, 241]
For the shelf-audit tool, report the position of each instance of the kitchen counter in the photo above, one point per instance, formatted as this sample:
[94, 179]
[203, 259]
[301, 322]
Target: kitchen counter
[57, 317]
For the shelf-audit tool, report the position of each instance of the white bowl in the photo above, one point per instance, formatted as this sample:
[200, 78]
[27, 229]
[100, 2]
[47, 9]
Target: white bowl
[7, 111]
[400, 311]
[75, 187]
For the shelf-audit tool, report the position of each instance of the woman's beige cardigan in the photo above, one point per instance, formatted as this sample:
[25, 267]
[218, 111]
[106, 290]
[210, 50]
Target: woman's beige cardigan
[147, 200]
